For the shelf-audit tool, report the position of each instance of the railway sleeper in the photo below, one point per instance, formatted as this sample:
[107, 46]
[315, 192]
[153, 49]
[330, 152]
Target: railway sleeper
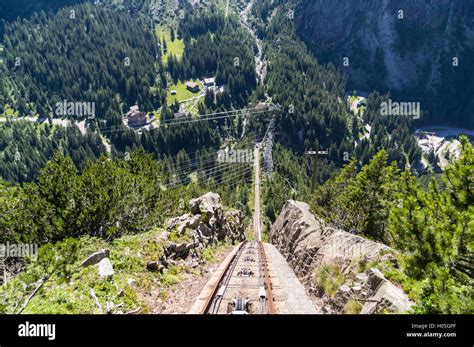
[245, 273]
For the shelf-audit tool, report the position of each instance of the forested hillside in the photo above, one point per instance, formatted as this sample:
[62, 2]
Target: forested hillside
[120, 68]
[11, 10]
[313, 100]
[217, 46]
[24, 148]
[60, 61]
[51, 58]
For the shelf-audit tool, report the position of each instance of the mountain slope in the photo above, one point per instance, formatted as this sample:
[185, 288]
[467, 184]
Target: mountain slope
[406, 47]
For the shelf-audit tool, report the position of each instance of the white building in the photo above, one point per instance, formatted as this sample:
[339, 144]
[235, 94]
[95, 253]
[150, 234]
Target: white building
[209, 82]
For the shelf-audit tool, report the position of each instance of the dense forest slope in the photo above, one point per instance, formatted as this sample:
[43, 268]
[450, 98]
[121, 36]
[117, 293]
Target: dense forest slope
[24, 148]
[11, 10]
[48, 63]
[406, 47]
[115, 62]
[313, 99]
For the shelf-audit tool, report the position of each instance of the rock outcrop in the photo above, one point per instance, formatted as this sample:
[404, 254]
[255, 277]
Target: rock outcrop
[105, 268]
[101, 259]
[311, 247]
[96, 257]
[208, 204]
[207, 224]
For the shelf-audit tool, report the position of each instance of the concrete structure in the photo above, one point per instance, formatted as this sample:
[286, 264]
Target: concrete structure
[290, 295]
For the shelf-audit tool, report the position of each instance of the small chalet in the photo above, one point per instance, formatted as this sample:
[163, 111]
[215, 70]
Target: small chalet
[192, 87]
[136, 118]
[209, 82]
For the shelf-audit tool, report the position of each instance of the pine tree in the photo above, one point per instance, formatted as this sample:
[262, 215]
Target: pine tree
[434, 228]
[172, 34]
[363, 204]
[459, 179]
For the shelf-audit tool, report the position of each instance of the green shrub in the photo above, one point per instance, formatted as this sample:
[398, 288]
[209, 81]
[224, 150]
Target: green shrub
[330, 278]
[352, 307]
[208, 255]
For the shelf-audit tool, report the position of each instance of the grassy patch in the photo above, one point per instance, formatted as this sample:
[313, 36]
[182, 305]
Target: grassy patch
[355, 110]
[352, 307]
[173, 236]
[208, 255]
[194, 107]
[171, 277]
[129, 256]
[182, 93]
[175, 47]
[330, 278]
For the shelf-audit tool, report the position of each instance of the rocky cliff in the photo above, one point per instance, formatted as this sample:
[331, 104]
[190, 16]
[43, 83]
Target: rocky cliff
[405, 46]
[337, 267]
[407, 41]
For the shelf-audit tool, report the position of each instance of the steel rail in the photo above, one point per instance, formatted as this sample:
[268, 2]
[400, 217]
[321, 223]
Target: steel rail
[267, 280]
[223, 281]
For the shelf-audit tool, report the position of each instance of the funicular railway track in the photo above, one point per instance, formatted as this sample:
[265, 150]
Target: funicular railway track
[245, 285]
[249, 282]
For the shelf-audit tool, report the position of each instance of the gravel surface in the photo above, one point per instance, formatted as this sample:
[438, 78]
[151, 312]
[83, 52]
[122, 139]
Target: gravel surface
[180, 297]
